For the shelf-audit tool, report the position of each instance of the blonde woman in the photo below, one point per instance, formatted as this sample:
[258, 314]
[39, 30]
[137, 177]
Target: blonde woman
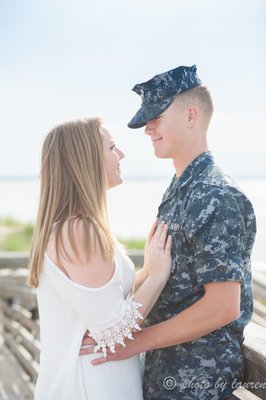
[85, 282]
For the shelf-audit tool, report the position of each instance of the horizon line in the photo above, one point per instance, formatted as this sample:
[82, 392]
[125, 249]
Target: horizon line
[128, 177]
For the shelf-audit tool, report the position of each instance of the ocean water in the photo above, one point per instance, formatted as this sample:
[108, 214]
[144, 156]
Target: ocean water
[132, 206]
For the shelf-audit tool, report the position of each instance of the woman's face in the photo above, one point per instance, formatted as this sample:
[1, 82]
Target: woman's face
[111, 158]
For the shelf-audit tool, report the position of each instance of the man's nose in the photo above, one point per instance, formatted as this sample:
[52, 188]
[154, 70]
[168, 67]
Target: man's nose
[149, 128]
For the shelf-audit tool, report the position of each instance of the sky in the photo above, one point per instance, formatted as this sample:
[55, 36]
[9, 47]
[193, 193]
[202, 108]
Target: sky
[65, 59]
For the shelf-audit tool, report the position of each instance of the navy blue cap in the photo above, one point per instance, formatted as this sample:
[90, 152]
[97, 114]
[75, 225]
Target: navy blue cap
[159, 92]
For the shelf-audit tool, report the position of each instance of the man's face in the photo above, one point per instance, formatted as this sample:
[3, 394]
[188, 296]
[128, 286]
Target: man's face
[168, 132]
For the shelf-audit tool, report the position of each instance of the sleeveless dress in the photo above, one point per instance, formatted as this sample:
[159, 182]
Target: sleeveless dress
[67, 309]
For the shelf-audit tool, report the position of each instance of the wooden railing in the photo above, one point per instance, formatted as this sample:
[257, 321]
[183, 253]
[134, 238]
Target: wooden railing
[20, 324]
[259, 287]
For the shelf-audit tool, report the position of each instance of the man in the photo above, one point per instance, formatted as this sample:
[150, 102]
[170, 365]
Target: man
[194, 333]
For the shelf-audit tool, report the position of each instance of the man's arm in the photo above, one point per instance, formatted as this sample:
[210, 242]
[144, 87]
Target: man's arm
[219, 306]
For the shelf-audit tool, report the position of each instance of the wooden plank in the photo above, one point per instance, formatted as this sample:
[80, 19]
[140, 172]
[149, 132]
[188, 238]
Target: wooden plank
[20, 274]
[14, 382]
[260, 309]
[24, 357]
[137, 256]
[259, 314]
[25, 318]
[3, 306]
[19, 294]
[244, 394]
[14, 259]
[258, 320]
[255, 359]
[22, 336]
[259, 284]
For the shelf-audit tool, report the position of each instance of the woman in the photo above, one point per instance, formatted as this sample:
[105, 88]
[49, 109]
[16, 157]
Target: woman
[84, 279]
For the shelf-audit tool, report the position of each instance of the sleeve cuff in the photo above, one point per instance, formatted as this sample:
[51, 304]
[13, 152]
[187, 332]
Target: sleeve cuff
[219, 269]
[120, 330]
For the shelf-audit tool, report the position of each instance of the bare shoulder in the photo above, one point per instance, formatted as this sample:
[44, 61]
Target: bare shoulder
[65, 248]
[91, 272]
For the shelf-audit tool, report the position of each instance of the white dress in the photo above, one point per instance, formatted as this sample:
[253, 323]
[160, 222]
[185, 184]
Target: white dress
[67, 310]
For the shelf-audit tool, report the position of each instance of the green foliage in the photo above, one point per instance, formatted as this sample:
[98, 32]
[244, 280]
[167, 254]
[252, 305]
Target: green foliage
[9, 221]
[16, 242]
[137, 244]
[16, 236]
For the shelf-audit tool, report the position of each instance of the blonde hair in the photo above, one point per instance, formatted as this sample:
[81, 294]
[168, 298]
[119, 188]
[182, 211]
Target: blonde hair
[201, 96]
[73, 184]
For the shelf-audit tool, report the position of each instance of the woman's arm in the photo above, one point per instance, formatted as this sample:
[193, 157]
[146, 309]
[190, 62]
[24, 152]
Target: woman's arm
[157, 267]
[105, 311]
[143, 273]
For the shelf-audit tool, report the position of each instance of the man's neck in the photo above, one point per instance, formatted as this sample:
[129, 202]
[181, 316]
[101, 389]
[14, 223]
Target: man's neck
[183, 161]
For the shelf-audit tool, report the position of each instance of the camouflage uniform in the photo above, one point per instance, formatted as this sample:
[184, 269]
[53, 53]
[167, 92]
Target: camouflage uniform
[213, 228]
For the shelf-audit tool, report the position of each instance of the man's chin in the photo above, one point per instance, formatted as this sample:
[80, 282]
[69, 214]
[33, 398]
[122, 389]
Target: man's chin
[160, 155]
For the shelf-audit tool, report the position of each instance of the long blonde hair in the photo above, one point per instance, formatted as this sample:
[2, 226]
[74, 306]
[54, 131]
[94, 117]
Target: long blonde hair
[72, 184]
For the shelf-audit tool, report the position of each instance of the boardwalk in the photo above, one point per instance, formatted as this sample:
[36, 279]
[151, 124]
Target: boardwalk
[17, 305]
[13, 378]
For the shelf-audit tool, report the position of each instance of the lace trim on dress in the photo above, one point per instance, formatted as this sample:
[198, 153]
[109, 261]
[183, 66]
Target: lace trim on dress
[121, 330]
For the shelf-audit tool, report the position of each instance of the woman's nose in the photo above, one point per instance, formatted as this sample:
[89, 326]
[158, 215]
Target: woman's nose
[120, 154]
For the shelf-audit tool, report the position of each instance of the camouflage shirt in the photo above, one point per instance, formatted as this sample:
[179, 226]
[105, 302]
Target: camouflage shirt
[213, 228]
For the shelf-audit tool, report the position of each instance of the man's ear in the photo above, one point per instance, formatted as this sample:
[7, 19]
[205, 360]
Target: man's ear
[192, 116]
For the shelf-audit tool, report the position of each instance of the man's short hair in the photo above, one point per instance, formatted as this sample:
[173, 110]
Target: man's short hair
[201, 96]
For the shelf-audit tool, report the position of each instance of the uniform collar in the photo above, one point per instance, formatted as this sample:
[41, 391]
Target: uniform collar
[193, 169]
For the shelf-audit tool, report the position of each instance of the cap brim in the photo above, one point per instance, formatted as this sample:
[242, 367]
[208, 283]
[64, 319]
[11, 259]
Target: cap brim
[148, 112]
